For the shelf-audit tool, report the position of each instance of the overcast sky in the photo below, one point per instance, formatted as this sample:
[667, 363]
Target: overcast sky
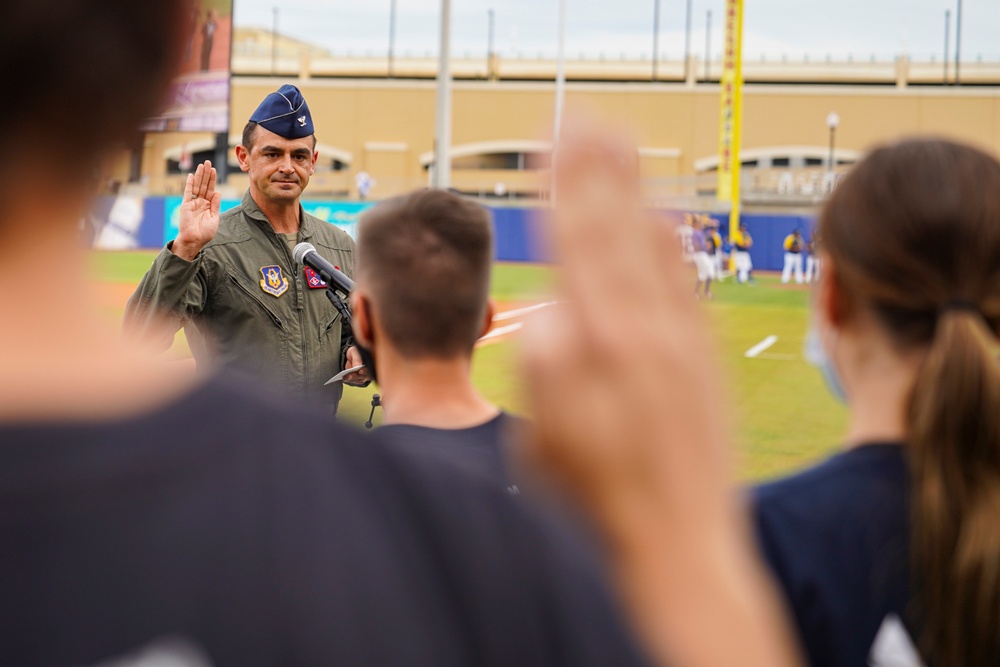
[615, 27]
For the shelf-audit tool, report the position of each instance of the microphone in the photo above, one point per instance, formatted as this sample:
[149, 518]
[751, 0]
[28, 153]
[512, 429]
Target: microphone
[305, 254]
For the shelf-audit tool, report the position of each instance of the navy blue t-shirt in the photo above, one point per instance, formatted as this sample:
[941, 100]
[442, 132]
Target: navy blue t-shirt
[254, 532]
[837, 539]
[481, 449]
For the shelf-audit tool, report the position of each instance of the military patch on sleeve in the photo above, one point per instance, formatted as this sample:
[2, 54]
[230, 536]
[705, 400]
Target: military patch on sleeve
[313, 279]
[273, 282]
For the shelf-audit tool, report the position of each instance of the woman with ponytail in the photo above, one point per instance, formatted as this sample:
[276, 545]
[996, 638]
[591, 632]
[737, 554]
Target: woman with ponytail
[889, 552]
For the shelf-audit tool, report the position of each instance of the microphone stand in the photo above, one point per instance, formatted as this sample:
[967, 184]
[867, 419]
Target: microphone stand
[376, 401]
[339, 304]
[345, 314]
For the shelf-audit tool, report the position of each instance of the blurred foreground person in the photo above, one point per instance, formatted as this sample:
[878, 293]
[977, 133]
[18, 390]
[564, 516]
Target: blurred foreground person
[420, 303]
[898, 536]
[151, 518]
[623, 405]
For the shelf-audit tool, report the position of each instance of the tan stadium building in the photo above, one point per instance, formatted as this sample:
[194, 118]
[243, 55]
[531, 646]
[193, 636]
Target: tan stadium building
[503, 112]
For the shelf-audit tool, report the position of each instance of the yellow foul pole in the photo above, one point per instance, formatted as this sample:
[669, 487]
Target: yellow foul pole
[731, 117]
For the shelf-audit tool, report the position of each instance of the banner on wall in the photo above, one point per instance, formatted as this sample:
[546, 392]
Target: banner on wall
[342, 214]
[123, 223]
[198, 100]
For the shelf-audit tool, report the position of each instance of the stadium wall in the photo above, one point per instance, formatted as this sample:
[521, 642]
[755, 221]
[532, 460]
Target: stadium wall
[385, 127]
[768, 233]
[126, 223]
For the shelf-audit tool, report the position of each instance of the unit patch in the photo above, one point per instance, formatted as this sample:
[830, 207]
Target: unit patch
[313, 279]
[273, 282]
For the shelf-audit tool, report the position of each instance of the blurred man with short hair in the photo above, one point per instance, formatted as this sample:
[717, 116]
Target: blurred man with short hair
[420, 304]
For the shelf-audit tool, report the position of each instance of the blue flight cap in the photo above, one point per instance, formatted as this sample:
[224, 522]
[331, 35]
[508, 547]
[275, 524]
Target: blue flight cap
[285, 113]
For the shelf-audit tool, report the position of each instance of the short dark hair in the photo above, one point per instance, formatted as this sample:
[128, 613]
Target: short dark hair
[86, 74]
[426, 258]
[248, 131]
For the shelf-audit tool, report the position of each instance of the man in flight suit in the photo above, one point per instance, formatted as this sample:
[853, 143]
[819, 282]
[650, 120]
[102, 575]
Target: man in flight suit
[233, 277]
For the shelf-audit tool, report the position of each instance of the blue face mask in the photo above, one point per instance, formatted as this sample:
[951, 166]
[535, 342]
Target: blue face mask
[814, 353]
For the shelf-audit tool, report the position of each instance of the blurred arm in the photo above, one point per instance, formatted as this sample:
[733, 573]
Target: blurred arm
[636, 439]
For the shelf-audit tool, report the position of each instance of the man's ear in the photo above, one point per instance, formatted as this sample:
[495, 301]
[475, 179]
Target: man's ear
[312, 168]
[491, 308]
[243, 157]
[361, 324]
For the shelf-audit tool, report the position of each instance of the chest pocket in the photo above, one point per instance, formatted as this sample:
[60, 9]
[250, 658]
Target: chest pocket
[330, 330]
[239, 285]
[328, 324]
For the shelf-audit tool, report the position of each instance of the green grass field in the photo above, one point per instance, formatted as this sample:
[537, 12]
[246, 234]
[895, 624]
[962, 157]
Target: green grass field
[783, 415]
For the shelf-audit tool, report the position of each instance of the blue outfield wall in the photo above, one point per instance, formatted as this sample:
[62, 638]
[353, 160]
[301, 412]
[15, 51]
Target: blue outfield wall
[768, 233]
[514, 231]
[515, 228]
[515, 235]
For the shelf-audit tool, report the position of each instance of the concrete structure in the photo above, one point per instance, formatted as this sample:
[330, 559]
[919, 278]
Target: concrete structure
[385, 127]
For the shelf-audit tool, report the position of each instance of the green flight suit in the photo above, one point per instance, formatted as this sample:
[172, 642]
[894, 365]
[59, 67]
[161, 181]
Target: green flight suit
[251, 306]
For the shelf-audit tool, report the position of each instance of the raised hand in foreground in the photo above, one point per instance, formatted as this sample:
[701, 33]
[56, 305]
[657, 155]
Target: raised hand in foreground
[623, 386]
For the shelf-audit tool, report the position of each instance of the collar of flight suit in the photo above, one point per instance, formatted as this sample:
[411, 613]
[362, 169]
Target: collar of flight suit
[252, 211]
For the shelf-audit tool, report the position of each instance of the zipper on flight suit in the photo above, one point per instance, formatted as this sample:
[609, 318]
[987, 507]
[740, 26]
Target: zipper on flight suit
[299, 288]
[249, 293]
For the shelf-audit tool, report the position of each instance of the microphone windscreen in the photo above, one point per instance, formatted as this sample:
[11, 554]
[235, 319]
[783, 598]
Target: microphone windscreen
[299, 252]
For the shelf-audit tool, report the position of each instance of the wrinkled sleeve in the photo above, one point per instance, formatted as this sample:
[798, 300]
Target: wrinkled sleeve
[169, 295]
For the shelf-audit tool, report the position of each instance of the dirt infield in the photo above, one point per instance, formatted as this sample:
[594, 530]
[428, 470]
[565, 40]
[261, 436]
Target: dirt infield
[112, 295]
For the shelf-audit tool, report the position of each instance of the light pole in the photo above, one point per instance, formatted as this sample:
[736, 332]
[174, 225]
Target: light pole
[708, 42]
[489, 47]
[392, 38]
[274, 43]
[687, 41]
[560, 74]
[442, 125]
[832, 121]
[656, 35]
[958, 41]
[947, 32]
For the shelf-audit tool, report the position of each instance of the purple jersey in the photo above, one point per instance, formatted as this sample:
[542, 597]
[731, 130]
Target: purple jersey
[698, 240]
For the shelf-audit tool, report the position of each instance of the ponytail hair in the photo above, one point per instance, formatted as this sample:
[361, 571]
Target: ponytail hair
[954, 447]
[914, 235]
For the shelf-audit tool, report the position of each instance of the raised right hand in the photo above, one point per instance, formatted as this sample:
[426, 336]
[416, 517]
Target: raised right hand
[199, 212]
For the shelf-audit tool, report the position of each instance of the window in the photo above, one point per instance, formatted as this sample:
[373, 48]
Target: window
[174, 166]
